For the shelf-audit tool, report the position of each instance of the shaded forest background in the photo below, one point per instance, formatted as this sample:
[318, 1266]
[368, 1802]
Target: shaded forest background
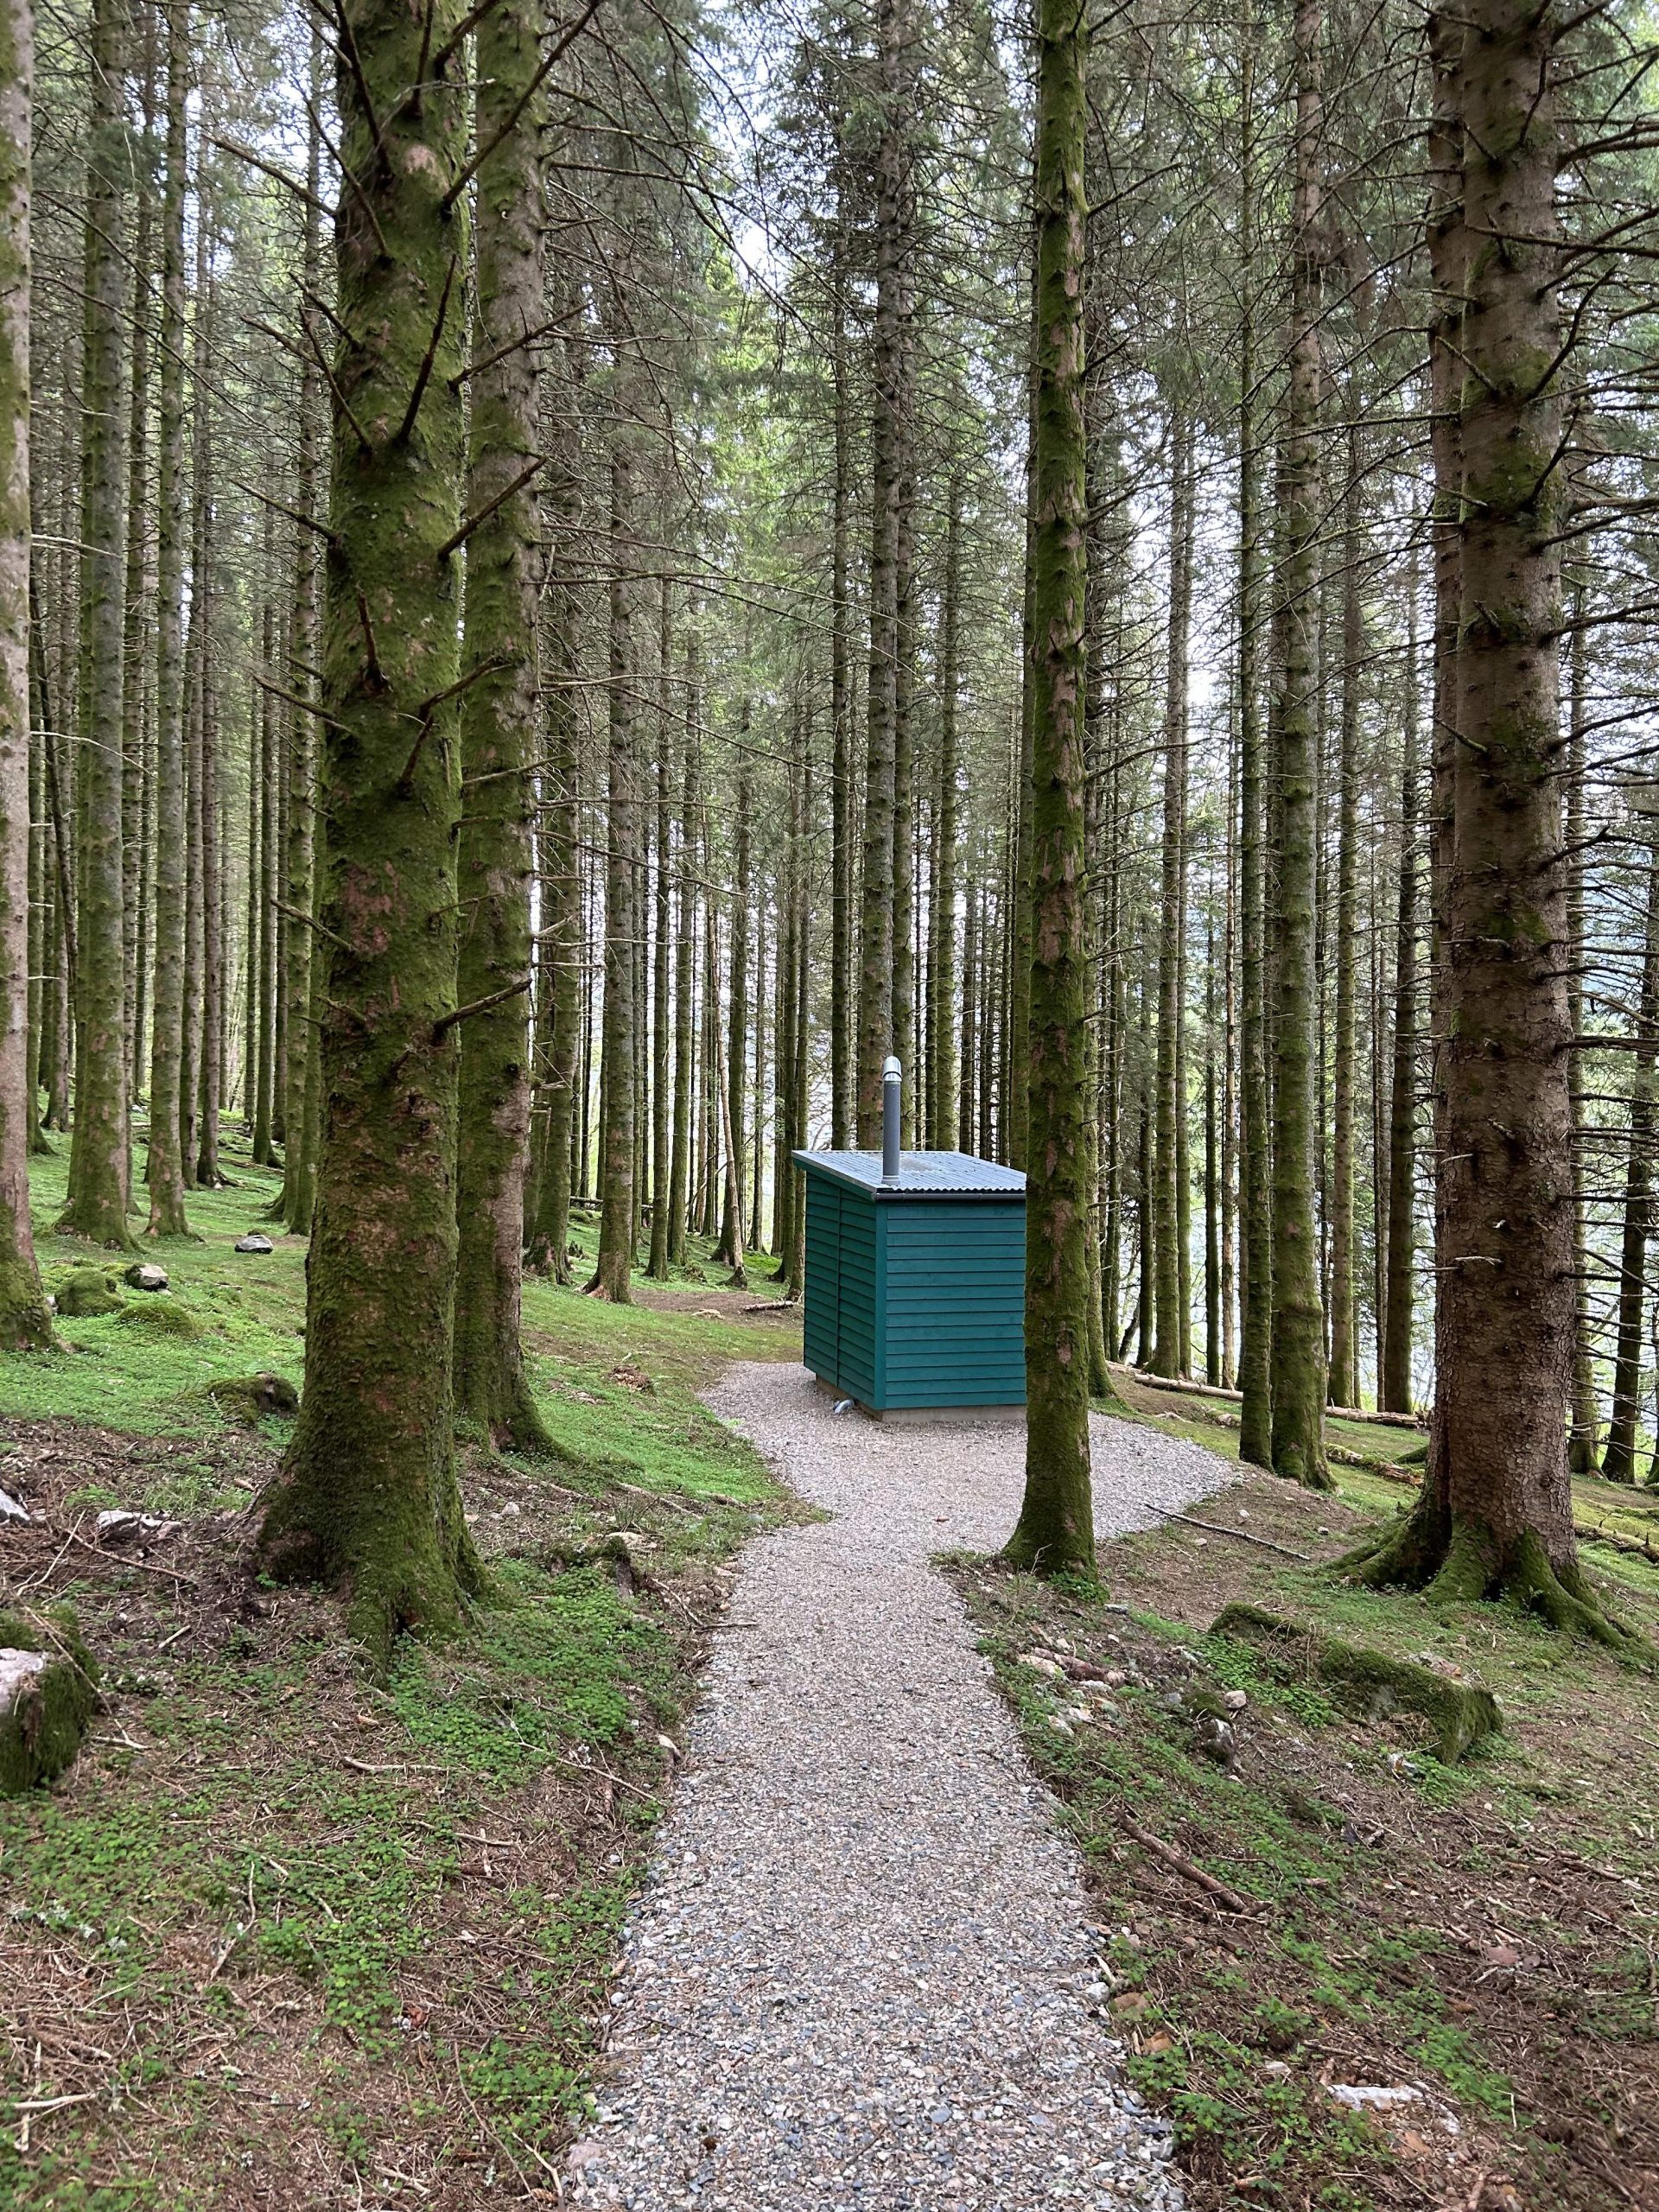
[776, 507]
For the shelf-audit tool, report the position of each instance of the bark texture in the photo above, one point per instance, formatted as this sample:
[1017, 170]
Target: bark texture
[500, 734]
[165, 1168]
[23, 1323]
[368, 1492]
[1055, 1533]
[99, 1160]
[1298, 1375]
[1496, 1515]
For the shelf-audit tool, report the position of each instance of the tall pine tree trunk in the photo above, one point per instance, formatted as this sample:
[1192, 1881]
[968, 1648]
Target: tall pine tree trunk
[1343, 1380]
[1618, 1458]
[890, 431]
[368, 1492]
[99, 1154]
[662, 911]
[1169, 1317]
[304, 965]
[1256, 1136]
[942, 1019]
[1055, 1531]
[1496, 1515]
[1395, 1394]
[165, 1170]
[23, 1323]
[679, 1172]
[1583, 1449]
[1297, 1320]
[614, 1276]
[500, 730]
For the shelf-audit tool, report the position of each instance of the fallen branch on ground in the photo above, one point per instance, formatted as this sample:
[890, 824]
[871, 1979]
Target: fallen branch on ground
[1220, 1529]
[1193, 1873]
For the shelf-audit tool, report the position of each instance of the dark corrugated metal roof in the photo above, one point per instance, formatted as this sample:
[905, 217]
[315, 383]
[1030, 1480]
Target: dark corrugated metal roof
[921, 1174]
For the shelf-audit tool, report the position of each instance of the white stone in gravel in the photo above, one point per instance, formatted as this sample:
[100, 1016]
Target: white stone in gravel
[863, 1975]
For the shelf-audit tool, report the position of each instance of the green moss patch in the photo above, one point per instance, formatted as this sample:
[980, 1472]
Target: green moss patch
[86, 1293]
[162, 1317]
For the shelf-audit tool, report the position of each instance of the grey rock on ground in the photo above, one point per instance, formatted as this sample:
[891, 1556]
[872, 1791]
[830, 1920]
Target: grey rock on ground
[863, 1975]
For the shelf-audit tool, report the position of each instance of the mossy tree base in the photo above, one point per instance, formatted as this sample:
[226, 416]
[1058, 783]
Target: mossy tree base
[499, 1406]
[403, 1559]
[1465, 1562]
[25, 1325]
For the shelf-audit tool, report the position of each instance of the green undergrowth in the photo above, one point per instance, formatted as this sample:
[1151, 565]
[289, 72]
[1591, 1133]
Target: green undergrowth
[355, 1937]
[617, 1387]
[1481, 1931]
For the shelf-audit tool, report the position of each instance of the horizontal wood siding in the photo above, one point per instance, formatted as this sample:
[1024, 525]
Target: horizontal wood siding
[820, 1334]
[955, 1298]
[860, 1301]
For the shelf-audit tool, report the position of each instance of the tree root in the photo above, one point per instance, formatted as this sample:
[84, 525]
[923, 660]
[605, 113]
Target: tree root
[1462, 1562]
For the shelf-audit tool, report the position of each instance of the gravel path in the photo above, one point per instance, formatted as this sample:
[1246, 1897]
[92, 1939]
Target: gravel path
[861, 1976]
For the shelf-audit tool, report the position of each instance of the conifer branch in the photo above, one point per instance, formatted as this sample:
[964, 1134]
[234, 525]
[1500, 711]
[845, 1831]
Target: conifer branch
[277, 507]
[446, 1022]
[472, 522]
[548, 65]
[407, 425]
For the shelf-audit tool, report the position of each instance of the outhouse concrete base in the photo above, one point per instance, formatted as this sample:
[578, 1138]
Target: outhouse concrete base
[928, 1416]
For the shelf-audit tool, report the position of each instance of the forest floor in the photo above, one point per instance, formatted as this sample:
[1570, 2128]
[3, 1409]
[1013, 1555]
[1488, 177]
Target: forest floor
[1337, 1908]
[283, 1938]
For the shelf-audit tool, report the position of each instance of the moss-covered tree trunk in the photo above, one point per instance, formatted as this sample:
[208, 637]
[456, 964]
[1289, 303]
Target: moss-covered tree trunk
[165, 1167]
[1055, 1532]
[1496, 1515]
[23, 1323]
[367, 1493]
[208, 1174]
[1297, 1381]
[99, 1157]
[500, 730]
[614, 1276]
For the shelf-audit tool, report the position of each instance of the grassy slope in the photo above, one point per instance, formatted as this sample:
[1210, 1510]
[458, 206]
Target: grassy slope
[1486, 1932]
[283, 1938]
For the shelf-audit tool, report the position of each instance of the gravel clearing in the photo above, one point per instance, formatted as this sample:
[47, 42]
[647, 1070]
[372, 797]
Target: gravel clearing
[861, 1974]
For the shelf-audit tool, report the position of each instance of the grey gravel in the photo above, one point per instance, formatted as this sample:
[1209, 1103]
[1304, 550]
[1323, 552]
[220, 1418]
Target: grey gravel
[864, 1972]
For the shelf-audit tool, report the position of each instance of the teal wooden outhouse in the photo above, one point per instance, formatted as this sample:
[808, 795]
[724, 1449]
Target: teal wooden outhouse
[915, 1281]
